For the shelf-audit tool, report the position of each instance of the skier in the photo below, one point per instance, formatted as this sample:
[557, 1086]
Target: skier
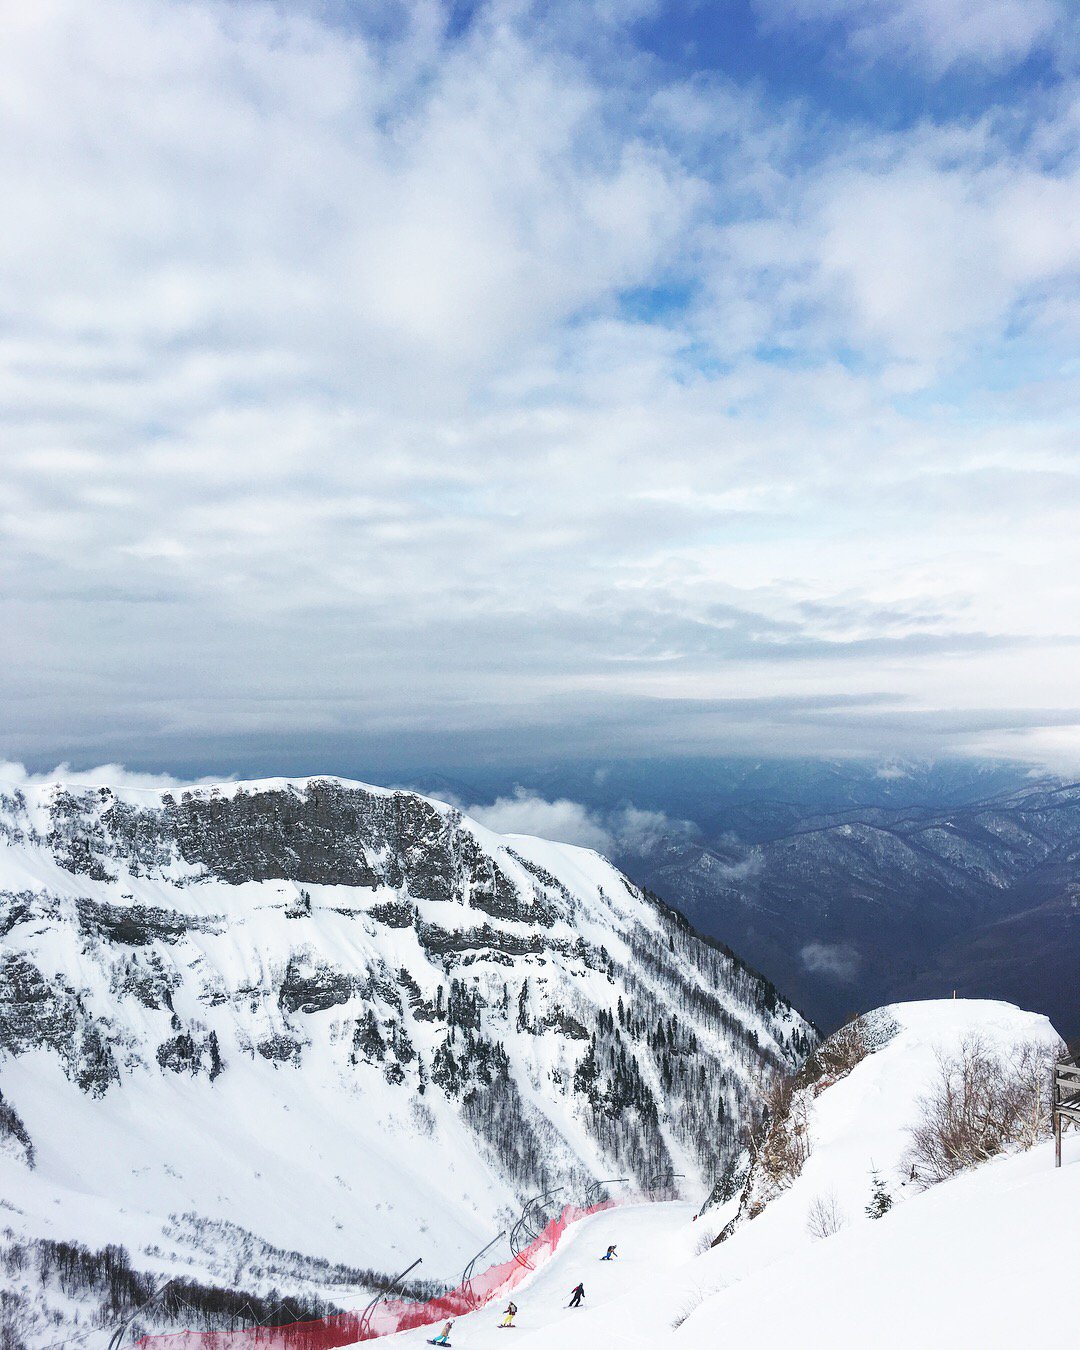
[576, 1295]
[443, 1338]
[511, 1313]
[610, 1253]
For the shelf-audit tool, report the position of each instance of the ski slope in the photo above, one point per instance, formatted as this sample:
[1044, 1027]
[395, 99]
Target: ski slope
[984, 1260]
[654, 1241]
[981, 1260]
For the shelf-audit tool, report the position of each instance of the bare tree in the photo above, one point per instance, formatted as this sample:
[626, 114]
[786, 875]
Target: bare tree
[705, 1242]
[781, 1144]
[824, 1216]
[982, 1104]
[16, 1321]
[690, 1305]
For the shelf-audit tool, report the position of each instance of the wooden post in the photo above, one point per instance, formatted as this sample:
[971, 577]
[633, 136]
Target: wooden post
[1055, 1107]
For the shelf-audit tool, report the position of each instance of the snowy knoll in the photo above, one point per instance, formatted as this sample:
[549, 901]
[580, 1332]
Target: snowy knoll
[271, 1033]
[859, 1136]
[969, 1261]
[849, 1132]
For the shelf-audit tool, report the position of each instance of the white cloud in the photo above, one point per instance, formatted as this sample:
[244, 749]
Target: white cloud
[838, 960]
[1053, 748]
[564, 821]
[936, 34]
[741, 870]
[14, 774]
[625, 829]
[916, 250]
[308, 196]
[637, 830]
[344, 393]
[926, 253]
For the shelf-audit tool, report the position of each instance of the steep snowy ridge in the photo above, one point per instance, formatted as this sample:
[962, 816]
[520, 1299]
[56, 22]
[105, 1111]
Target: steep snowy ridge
[255, 1029]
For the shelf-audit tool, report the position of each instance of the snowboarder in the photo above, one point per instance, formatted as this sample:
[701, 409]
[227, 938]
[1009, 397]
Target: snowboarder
[576, 1295]
[443, 1338]
[511, 1313]
[611, 1252]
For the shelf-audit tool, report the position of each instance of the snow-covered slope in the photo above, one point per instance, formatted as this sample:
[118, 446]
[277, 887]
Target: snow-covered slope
[861, 1124]
[857, 1126]
[981, 1260]
[986, 1259]
[251, 1025]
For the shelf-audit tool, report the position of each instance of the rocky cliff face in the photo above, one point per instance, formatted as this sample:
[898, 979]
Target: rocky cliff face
[324, 1012]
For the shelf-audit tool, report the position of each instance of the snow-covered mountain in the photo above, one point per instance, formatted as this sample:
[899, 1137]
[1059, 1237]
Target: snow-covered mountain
[289, 1033]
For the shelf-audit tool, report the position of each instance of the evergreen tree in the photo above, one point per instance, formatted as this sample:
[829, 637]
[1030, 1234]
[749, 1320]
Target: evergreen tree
[880, 1199]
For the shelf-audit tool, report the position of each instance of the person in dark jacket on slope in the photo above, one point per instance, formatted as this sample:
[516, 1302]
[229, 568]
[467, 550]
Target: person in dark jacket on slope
[576, 1295]
[611, 1252]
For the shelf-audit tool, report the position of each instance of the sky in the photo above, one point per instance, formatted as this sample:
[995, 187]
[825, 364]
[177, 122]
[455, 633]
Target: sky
[499, 379]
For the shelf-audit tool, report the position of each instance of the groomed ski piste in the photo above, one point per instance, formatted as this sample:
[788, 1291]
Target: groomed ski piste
[981, 1260]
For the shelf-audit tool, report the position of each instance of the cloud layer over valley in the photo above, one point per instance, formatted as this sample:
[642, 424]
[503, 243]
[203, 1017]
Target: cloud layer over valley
[497, 373]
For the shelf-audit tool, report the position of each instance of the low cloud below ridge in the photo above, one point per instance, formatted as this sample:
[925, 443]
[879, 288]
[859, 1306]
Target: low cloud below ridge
[626, 829]
[839, 960]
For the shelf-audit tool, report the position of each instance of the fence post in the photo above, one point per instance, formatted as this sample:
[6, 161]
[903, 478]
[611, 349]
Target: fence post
[116, 1339]
[1055, 1100]
[592, 1191]
[466, 1279]
[665, 1176]
[522, 1225]
[366, 1315]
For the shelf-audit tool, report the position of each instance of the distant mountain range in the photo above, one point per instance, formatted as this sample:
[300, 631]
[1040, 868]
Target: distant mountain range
[847, 909]
[853, 884]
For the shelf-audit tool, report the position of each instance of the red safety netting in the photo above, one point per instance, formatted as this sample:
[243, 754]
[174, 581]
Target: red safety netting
[390, 1315]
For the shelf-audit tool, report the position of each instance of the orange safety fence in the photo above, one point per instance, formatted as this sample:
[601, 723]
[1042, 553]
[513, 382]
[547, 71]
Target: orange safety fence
[390, 1315]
